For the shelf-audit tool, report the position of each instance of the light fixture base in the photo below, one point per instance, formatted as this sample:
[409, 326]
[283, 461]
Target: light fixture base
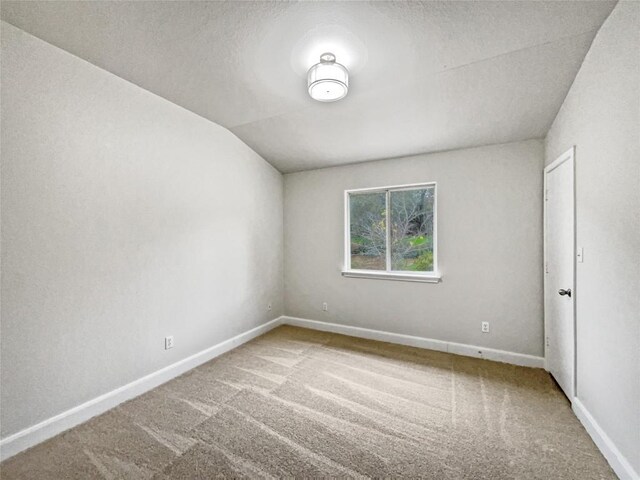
[327, 57]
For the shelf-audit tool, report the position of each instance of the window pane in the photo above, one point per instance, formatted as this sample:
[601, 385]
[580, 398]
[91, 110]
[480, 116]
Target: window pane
[368, 231]
[412, 229]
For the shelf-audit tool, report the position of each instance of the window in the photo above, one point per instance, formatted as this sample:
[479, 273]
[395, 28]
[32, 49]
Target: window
[390, 233]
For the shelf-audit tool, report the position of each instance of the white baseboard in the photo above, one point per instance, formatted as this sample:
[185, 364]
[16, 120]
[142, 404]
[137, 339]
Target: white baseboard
[420, 342]
[46, 429]
[618, 462]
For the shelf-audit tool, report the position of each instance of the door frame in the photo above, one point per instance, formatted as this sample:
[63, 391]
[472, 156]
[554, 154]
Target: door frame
[568, 156]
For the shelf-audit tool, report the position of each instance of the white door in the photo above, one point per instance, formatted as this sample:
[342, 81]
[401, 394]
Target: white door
[559, 288]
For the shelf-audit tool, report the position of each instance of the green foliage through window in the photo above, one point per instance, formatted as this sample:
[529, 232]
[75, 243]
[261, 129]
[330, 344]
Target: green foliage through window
[409, 237]
[368, 231]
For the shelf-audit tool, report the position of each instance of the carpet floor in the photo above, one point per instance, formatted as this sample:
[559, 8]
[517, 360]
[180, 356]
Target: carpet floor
[301, 403]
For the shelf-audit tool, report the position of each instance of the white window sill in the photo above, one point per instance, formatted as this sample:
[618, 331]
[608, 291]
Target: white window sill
[399, 276]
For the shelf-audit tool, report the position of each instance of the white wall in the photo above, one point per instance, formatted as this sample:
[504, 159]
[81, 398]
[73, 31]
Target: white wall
[601, 117]
[489, 245]
[125, 218]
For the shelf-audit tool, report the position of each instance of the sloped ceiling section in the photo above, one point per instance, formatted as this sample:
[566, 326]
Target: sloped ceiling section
[424, 76]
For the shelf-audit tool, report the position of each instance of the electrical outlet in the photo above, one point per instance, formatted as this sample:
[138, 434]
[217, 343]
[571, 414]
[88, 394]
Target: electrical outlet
[485, 327]
[168, 342]
[325, 307]
[269, 306]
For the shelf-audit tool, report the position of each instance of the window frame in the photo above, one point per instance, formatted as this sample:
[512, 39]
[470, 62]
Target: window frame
[388, 274]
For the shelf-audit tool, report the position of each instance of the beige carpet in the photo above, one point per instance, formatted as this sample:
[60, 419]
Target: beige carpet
[299, 403]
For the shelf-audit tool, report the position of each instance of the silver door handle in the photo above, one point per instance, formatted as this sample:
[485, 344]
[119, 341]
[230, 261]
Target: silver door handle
[564, 292]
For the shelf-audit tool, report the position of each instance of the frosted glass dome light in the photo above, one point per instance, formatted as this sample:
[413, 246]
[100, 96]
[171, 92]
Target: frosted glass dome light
[328, 81]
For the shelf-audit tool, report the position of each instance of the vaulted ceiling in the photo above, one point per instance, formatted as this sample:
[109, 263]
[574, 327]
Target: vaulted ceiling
[424, 76]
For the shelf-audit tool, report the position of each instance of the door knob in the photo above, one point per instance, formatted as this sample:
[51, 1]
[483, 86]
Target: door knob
[563, 292]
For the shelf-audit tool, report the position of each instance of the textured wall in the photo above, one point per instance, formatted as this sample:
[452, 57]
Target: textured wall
[125, 218]
[489, 244]
[601, 117]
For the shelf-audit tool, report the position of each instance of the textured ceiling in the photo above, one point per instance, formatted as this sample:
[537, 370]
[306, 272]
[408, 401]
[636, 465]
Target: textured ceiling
[425, 76]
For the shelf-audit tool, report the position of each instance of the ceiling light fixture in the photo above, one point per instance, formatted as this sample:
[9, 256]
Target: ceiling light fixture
[328, 81]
